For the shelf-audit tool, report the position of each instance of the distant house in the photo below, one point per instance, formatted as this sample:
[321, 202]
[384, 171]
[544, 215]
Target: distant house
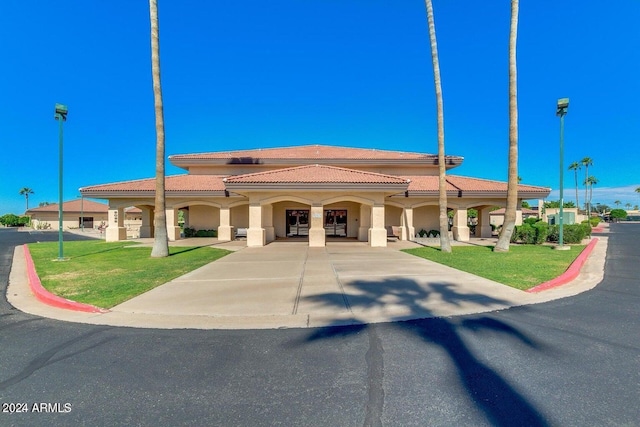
[309, 192]
[497, 216]
[81, 213]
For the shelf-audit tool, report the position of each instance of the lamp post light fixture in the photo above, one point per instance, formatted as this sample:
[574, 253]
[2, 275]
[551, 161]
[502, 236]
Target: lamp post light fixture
[561, 111]
[60, 116]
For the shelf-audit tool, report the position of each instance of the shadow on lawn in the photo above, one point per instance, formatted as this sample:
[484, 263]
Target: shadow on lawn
[500, 402]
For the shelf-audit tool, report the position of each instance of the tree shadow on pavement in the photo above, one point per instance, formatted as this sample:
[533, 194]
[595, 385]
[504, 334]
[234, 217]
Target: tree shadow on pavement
[492, 394]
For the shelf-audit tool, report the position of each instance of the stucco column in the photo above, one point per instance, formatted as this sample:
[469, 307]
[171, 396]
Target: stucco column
[116, 230]
[460, 228]
[407, 230]
[317, 235]
[173, 230]
[267, 222]
[377, 232]
[146, 228]
[484, 222]
[365, 223]
[519, 214]
[225, 230]
[255, 233]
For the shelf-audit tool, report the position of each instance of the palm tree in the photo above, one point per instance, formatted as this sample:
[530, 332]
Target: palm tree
[25, 191]
[617, 203]
[575, 167]
[586, 162]
[512, 186]
[627, 205]
[161, 239]
[445, 243]
[590, 182]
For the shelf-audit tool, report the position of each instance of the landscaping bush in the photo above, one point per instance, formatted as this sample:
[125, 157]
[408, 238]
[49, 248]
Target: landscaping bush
[531, 220]
[524, 233]
[433, 233]
[192, 232]
[542, 232]
[594, 221]
[206, 233]
[572, 233]
[422, 233]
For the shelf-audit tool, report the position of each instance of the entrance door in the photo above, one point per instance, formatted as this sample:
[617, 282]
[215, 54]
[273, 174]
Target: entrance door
[298, 223]
[335, 222]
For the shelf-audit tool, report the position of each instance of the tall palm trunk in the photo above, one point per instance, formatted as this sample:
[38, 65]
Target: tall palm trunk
[575, 173]
[161, 240]
[512, 186]
[445, 243]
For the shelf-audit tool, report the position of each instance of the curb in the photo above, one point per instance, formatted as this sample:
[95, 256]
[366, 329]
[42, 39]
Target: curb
[571, 273]
[47, 297]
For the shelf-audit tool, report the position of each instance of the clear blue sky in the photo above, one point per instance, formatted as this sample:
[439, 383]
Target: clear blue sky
[248, 74]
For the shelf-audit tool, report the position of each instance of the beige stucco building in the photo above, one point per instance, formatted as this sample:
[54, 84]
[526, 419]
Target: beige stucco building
[309, 192]
[81, 213]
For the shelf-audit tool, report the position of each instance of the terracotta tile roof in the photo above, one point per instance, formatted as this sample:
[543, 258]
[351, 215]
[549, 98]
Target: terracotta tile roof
[467, 185]
[313, 152]
[77, 205]
[191, 183]
[312, 174]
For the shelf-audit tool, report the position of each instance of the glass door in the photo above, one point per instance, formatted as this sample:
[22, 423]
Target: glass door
[335, 222]
[298, 223]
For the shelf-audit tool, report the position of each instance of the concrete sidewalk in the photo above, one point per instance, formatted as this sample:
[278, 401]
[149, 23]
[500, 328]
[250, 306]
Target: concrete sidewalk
[286, 284]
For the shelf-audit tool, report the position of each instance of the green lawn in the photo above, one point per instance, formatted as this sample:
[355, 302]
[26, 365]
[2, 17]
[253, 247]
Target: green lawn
[523, 267]
[107, 274]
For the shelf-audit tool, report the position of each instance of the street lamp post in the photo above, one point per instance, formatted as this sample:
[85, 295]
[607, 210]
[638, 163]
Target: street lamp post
[60, 116]
[561, 111]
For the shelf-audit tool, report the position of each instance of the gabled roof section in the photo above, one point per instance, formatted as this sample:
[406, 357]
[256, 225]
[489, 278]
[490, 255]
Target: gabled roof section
[309, 154]
[78, 205]
[188, 184]
[317, 177]
[461, 186]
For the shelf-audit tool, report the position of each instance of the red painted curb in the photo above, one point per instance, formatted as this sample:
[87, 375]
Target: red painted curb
[50, 299]
[571, 272]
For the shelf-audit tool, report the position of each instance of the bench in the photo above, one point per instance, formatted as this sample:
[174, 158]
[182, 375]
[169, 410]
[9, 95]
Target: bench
[393, 232]
[241, 232]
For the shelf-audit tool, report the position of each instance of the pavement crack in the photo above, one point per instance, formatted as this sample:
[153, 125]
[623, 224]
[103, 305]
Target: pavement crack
[296, 303]
[375, 377]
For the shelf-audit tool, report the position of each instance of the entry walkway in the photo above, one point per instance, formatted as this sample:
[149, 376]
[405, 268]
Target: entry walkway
[288, 284]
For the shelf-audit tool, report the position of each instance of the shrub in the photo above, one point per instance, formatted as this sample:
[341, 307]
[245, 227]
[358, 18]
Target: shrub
[189, 232]
[531, 220]
[206, 233]
[433, 233]
[572, 233]
[542, 231]
[594, 221]
[422, 232]
[524, 233]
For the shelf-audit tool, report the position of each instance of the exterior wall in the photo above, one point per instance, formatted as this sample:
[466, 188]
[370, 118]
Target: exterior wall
[202, 217]
[392, 215]
[49, 220]
[239, 169]
[578, 218]
[353, 214]
[240, 216]
[280, 213]
[426, 218]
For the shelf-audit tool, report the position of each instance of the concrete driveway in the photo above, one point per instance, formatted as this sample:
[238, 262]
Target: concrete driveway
[288, 284]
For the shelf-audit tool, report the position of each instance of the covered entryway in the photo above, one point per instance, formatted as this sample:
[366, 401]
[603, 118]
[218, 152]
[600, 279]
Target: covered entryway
[335, 222]
[297, 223]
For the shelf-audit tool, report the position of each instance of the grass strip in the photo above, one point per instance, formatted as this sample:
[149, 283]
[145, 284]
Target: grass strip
[523, 267]
[107, 274]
